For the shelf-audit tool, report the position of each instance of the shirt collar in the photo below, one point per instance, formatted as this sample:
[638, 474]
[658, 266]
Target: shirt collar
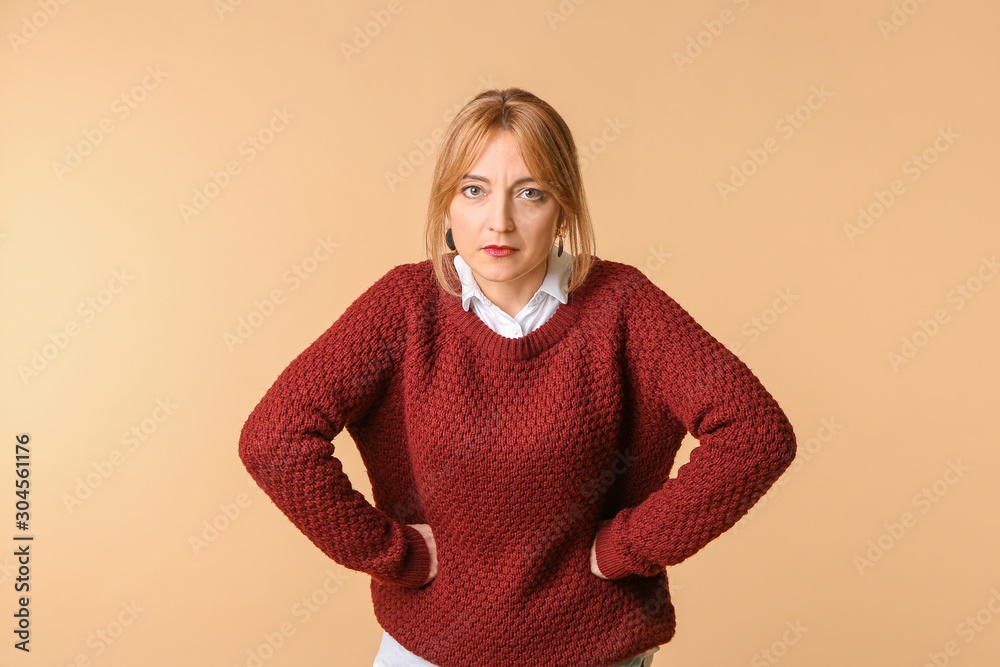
[555, 282]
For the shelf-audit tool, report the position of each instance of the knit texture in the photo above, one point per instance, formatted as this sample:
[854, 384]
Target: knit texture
[514, 450]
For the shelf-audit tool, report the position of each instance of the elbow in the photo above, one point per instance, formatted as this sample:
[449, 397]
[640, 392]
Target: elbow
[249, 449]
[275, 445]
[783, 445]
[247, 446]
[253, 448]
[261, 458]
[775, 448]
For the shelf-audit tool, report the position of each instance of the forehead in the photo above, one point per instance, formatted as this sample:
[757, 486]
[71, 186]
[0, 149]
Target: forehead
[499, 153]
[499, 144]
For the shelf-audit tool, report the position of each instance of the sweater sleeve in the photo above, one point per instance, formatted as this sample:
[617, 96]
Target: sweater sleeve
[745, 441]
[286, 445]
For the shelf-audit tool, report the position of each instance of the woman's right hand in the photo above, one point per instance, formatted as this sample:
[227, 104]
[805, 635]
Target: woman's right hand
[425, 530]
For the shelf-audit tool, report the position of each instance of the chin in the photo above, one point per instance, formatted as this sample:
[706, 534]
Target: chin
[499, 273]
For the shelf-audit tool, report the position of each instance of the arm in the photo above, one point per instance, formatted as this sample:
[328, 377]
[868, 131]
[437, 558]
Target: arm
[286, 445]
[745, 440]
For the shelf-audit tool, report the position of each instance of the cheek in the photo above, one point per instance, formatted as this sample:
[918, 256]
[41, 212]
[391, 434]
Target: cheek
[546, 216]
[458, 212]
[549, 209]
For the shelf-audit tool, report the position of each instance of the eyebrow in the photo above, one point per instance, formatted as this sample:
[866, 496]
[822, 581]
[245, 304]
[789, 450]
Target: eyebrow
[475, 177]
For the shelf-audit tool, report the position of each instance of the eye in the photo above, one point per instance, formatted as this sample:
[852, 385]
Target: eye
[466, 190]
[533, 194]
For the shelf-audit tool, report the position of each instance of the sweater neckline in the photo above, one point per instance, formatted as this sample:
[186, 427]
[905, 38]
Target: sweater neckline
[497, 345]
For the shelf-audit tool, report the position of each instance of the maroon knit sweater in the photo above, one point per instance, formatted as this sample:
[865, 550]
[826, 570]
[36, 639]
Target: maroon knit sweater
[513, 450]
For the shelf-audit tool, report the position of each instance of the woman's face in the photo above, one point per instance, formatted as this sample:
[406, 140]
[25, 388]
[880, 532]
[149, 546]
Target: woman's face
[498, 203]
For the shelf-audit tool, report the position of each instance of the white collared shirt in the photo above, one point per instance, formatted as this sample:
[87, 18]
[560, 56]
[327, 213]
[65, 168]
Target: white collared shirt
[535, 313]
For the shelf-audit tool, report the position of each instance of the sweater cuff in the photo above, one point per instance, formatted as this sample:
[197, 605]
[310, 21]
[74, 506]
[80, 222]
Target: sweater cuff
[610, 560]
[417, 563]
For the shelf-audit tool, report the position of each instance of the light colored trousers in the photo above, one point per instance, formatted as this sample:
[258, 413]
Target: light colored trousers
[392, 654]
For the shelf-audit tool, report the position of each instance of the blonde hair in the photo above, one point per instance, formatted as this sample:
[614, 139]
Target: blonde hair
[547, 148]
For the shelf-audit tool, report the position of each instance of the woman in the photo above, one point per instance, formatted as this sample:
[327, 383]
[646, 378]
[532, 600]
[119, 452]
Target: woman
[518, 403]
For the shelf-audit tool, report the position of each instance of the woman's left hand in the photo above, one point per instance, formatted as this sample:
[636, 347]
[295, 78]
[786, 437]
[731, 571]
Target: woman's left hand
[593, 554]
[428, 534]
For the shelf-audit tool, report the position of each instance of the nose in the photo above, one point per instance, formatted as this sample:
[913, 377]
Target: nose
[501, 214]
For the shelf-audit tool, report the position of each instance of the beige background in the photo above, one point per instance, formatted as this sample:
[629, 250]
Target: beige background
[118, 553]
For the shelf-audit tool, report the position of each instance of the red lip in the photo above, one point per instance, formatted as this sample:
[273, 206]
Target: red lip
[498, 247]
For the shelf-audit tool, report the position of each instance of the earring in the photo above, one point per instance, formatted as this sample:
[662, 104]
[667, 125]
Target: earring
[560, 250]
[449, 240]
